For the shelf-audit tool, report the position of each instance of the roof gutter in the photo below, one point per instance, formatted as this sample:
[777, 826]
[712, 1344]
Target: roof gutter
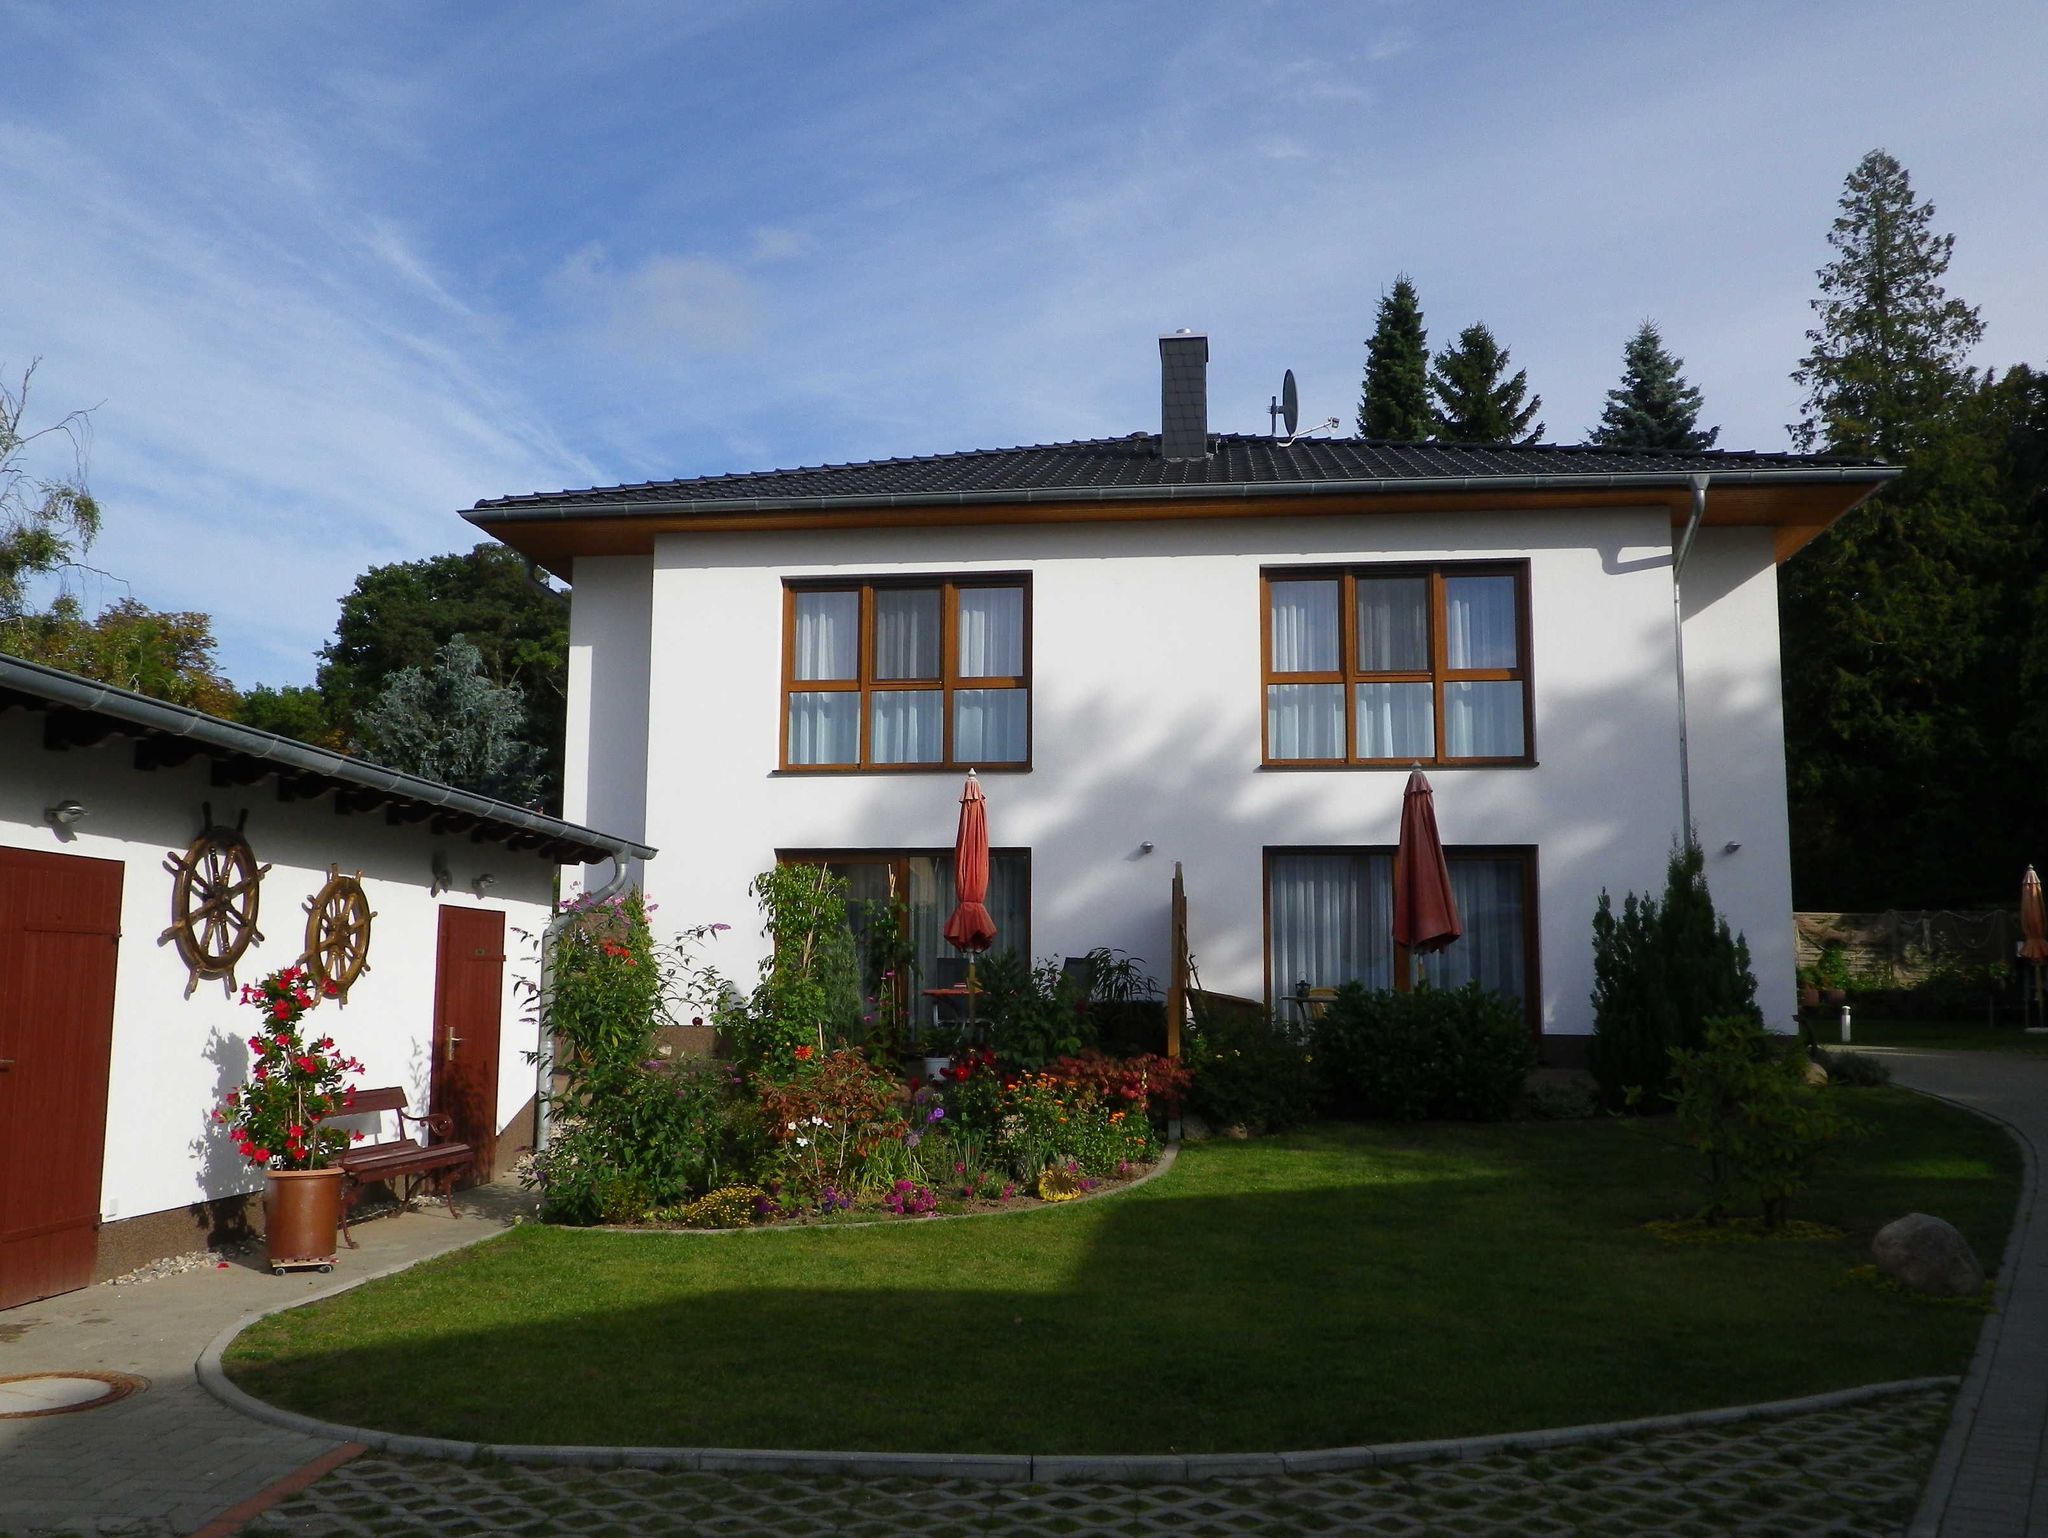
[538, 510]
[211, 732]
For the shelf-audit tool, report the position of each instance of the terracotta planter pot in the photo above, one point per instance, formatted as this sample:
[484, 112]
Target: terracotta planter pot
[301, 1212]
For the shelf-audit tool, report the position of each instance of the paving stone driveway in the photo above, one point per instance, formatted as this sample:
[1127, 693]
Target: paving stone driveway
[1843, 1473]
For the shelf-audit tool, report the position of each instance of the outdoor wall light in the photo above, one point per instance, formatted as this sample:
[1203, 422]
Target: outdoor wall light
[1730, 847]
[483, 883]
[444, 878]
[63, 814]
[1146, 847]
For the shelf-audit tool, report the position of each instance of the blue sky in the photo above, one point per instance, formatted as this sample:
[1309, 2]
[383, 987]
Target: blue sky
[331, 273]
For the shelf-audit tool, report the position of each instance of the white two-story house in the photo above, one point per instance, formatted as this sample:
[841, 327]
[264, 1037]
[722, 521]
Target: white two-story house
[1222, 652]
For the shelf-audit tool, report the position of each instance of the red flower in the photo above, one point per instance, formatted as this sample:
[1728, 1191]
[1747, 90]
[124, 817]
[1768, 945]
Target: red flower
[280, 1010]
[330, 991]
[803, 1054]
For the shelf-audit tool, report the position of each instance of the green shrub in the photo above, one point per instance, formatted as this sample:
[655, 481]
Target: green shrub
[1030, 1015]
[1743, 1102]
[653, 1135]
[1560, 1100]
[809, 993]
[1660, 971]
[1461, 1054]
[1248, 1070]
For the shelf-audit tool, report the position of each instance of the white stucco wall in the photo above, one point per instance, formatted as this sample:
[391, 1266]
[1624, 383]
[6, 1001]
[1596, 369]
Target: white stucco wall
[604, 782]
[174, 1055]
[1735, 706]
[1147, 715]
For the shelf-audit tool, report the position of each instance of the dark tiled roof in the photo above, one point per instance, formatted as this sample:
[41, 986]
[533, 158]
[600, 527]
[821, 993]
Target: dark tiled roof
[1132, 466]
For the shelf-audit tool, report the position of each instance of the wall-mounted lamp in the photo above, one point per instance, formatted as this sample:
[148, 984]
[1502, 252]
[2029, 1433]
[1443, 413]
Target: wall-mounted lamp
[483, 883]
[63, 814]
[444, 878]
[1730, 847]
[1146, 847]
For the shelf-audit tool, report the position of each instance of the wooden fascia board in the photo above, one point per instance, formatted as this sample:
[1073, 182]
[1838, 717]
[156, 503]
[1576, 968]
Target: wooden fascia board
[1801, 510]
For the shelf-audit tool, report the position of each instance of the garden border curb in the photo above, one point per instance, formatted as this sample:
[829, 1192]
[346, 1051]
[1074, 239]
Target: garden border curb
[1948, 1461]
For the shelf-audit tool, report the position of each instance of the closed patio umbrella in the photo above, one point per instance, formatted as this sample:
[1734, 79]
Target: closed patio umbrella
[2033, 928]
[970, 928]
[1425, 914]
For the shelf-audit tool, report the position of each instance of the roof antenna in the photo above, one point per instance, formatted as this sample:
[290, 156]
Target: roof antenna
[1286, 406]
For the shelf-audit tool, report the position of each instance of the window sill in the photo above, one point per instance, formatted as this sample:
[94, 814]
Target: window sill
[1315, 765]
[829, 771]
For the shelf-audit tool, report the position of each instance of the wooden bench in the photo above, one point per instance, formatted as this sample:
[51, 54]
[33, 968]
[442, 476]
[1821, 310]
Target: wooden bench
[408, 1159]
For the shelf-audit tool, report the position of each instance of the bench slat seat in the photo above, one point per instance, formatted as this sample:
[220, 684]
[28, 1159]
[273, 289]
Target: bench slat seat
[412, 1160]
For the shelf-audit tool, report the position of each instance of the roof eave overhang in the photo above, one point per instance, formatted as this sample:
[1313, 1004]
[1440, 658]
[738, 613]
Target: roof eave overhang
[82, 711]
[1804, 499]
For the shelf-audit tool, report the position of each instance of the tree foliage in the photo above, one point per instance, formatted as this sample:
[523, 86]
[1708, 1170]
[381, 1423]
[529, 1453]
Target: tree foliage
[1475, 403]
[447, 721]
[1394, 402]
[1653, 407]
[168, 656]
[1905, 629]
[399, 616]
[298, 711]
[48, 517]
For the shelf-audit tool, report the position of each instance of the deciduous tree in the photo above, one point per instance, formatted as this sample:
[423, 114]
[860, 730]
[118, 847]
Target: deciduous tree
[48, 517]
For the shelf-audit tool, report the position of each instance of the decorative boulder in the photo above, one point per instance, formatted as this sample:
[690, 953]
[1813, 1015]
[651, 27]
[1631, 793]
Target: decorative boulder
[1929, 1255]
[1814, 1073]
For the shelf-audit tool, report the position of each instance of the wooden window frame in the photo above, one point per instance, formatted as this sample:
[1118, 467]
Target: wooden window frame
[866, 685]
[1348, 675]
[1532, 929]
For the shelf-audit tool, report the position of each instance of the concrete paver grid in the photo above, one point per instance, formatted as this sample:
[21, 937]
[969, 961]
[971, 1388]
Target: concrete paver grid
[169, 1459]
[1853, 1472]
[1991, 1479]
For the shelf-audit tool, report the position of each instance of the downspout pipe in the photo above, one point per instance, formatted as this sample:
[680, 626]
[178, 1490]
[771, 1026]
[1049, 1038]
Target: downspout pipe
[544, 1047]
[1678, 555]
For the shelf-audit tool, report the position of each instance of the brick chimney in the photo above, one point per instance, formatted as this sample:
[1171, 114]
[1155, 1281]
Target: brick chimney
[1184, 396]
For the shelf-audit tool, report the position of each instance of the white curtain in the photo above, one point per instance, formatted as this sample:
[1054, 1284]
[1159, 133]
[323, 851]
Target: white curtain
[907, 633]
[824, 728]
[1483, 719]
[1305, 720]
[827, 635]
[1488, 892]
[1395, 721]
[1480, 622]
[988, 726]
[905, 726]
[1332, 919]
[1304, 626]
[933, 896]
[1393, 624]
[991, 632]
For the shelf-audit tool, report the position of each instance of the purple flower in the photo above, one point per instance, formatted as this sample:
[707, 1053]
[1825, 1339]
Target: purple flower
[912, 1139]
[937, 1113]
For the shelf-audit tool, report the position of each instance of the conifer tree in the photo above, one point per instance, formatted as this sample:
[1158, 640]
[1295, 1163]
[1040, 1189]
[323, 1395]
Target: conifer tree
[1654, 407]
[1888, 355]
[1395, 400]
[1473, 403]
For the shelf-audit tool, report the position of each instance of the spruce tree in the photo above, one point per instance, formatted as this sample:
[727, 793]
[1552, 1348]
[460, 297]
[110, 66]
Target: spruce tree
[1473, 403]
[1395, 400]
[1889, 354]
[1890, 622]
[1654, 408]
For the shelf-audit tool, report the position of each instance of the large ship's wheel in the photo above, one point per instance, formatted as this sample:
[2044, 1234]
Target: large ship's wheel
[215, 890]
[338, 932]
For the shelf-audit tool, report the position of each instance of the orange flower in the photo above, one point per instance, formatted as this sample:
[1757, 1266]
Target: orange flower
[803, 1054]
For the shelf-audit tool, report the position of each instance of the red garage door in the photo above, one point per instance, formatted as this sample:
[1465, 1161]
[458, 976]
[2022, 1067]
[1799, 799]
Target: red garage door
[59, 932]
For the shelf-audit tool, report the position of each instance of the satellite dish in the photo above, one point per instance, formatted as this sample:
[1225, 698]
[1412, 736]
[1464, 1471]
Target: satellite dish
[1286, 407]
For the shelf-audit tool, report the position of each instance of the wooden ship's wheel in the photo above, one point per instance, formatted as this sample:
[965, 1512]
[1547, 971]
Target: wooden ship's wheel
[338, 932]
[215, 889]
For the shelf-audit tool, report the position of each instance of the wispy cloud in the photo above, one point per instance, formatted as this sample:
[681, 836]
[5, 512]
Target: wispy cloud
[663, 304]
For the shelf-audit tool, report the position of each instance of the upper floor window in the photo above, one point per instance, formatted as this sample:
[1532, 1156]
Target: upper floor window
[911, 673]
[1397, 665]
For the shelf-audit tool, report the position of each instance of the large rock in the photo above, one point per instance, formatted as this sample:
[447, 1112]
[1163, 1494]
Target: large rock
[1928, 1254]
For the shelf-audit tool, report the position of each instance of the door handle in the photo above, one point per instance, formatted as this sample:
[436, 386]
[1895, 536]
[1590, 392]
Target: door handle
[451, 1047]
[6, 1063]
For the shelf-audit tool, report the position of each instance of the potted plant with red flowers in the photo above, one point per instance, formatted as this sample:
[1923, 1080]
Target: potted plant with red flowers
[277, 1120]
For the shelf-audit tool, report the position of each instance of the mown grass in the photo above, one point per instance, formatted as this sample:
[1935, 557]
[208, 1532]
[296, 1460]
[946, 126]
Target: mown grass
[1935, 1035]
[1340, 1285]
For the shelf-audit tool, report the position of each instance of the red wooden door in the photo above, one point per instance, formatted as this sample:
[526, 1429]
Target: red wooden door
[469, 992]
[60, 926]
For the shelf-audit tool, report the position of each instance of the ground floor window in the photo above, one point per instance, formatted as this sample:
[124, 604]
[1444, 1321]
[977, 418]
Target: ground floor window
[1330, 921]
[923, 880]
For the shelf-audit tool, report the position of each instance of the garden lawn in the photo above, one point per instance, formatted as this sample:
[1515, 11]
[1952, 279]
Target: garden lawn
[1339, 1285]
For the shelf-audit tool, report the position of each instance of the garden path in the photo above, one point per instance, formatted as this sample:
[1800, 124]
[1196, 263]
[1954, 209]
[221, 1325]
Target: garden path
[1991, 1478]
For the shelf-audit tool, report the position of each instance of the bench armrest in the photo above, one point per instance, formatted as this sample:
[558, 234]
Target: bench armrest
[439, 1123]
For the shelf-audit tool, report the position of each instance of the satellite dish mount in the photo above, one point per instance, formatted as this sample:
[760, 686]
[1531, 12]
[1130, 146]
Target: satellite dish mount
[1286, 406]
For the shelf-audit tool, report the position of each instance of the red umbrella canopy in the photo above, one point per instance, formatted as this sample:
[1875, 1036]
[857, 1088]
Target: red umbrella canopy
[970, 928]
[1425, 915]
[2033, 918]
